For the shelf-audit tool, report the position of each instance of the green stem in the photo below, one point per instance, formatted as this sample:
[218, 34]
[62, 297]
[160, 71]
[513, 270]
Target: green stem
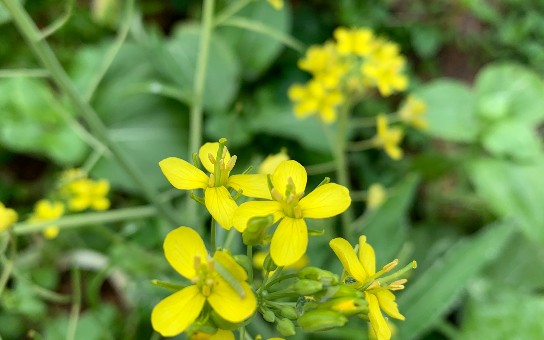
[288, 292]
[45, 55]
[446, 328]
[316, 169]
[250, 257]
[213, 230]
[362, 145]
[229, 11]
[85, 219]
[57, 24]
[229, 238]
[8, 267]
[24, 73]
[76, 305]
[341, 164]
[279, 279]
[242, 333]
[359, 196]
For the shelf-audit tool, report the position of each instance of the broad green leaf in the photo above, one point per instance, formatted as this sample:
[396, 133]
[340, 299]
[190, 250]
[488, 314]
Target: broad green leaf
[386, 227]
[513, 190]
[511, 138]
[450, 110]
[434, 292]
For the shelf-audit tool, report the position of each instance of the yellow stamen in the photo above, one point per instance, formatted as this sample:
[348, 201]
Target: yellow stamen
[390, 266]
[197, 262]
[299, 195]
[222, 165]
[211, 158]
[290, 199]
[399, 282]
[231, 162]
[211, 266]
[224, 152]
[206, 290]
[276, 195]
[195, 279]
[292, 183]
[298, 213]
[396, 287]
[374, 284]
[209, 282]
[211, 182]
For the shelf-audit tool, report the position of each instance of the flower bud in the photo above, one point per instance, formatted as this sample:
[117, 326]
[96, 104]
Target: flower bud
[321, 320]
[317, 274]
[222, 323]
[347, 306]
[269, 316]
[256, 230]
[337, 292]
[289, 312]
[269, 263]
[198, 330]
[286, 327]
[307, 287]
[243, 261]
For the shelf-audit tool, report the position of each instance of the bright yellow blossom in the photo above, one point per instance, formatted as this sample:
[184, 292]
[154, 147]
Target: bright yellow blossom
[45, 210]
[384, 67]
[412, 111]
[392, 327]
[87, 193]
[376, 196]
[7, 217]
[277, 4]
[314, 98]
[271, 162]
[218, 200]
[363, 270]
[290, 239]
[358, 41]
[388, 138]
[186, 253]
[325, 65]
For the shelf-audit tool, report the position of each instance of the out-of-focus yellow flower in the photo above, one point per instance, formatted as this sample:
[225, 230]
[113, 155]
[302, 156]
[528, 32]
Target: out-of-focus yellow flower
[277, 4]
[7, 217]
[46, 210]
[314, 98]
[376, 196]
[271, 162]
[392, 327]
[323, 63]
[384, 67]
[186, 253]
[89, 194]
[358, 41]
[388, 138]
[412, 111]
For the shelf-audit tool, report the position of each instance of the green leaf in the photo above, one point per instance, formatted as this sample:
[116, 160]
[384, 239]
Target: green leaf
[426, 40]
[386, 227]
[511, 138]
[257, 51]
[433, 293]
[450, 110]
[513, 190]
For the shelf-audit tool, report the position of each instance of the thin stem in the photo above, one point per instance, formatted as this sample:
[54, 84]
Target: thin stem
[362, 122]
[24, 73]
[316, 169]
[359, 196]
[8, 267]
[57, 24]
[242, 333]
[45, 55]
[84, 219]
[92, 160]
[279, 279]
[76, 305]
[250, 257]
[213, 231]
[229, 11]
[362, 145]
[229, 238]
[446, 328]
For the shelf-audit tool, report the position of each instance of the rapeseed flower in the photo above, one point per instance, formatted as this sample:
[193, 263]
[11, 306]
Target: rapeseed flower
[359, 41]
[412, 111]
[363, 270]
[388, 138]
[87, 193]
[290, 239]
[7, 217]
[384, 67]
[218, 200]
[324, 63]
[315, 98]
[46, 210]
[271, 162]
[187, 254]
[376, 196]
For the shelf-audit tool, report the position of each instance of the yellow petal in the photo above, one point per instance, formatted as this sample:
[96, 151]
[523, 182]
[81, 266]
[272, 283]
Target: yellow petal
[326, 201]
[289, 242]
[367, 256]
[228, 304]
[175, 313]
[230, 265]
[101, 204]
[255, 208]
[222, 335]
[180, 248]
[205, 160]
[251, 185]
[394, 151]
[349, 260]
[220, 205]
[288, 169]
[388, 304]
[101, 187]
[183, 175]
[377, 321]
[51, 232]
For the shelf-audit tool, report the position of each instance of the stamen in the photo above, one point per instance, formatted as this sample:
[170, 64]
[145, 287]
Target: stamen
[195, 279]
[390, 266]
[231, 162]
[399, 282]
[374, 284]
[299, 195]
[222, 164]
[396, 287]
[298, 213]
[211, 182]
[212, 159]
[211, 266]
[224, 152]
[197, 262]
[206, 290]
[290, 199]
[209, 282]
[276, 195]
[292, 183]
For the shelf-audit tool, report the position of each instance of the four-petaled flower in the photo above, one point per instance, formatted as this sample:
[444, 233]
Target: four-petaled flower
[187, 254]
[388, 138]
[290, 239]
[47, 210]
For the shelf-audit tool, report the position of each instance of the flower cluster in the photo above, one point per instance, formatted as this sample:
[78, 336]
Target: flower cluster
[7, 217]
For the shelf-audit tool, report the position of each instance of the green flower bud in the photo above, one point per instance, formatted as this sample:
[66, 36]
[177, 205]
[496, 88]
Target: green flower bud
[321, 320]
[286, 327]
[317, 274]
[256, 230]
[269, 263]
[243, 261]
[269, 316]
[198, 327]
[307, 287]
[347, 306]
[342, 290]
[289, 312]
[222, 323]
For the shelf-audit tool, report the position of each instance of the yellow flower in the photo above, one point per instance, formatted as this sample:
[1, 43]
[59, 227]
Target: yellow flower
[277, 4]
[218, 200]
[88, 193]
[271, 162]
[186, 253]
[314, 98]
[376, 196]
[7, 217]
[358, 41]
[383, 69]
[363, 270]
[412, 112]
[388, 138]
[290, 239]
[324, 64]
[47, 210]
[392, 327]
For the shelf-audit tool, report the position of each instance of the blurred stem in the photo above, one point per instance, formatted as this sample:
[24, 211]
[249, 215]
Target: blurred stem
[341, 164]
[57, 24]
[92, 160]
[362, 145]
[250, 257]
[446, 328]
[242, 333]
[360, 122]
[230, 10]
[198, 87]
[47, 57]
[315, 169]
[229, 238]
[213, 231]
[359, 196]
[279, 279]
[23, 73]
[84, 219]
[76, 304]
[8, 266]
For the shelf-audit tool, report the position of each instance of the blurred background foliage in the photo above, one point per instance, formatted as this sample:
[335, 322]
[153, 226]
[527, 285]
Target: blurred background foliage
[465, 202]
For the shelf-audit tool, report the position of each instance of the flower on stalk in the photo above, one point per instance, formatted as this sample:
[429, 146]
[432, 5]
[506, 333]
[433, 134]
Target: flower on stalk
[363, 270]
[7, 217]
[217, 160]
[315, 98]
[87, 193]
[186, 253]
[290, 239]
[359, 41]
[388, 138]
[384, 69]
[412, 111]
[376, 196]
[46, 210]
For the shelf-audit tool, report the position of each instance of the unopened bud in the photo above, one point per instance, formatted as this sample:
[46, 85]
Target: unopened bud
[317, 274]
[269, 263]
[342, 290]
[286, 327]
[222, 323]
[212, 160]
[257, 229]
[289, 312]
[199, 330]
[390, 266]
[347, 306]
[269, 316]
[307, 287]
[321, 320]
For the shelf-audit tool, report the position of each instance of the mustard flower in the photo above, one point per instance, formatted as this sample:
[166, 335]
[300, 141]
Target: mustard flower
[359, 41]
[218, 200]
[363, 270]
[271, 162]
[388, 138]
[325, 65]
[46, 210]
[376, 196]
[187, 254]
[290, 239]
[7, 217]
[87, 193]
[384, 67]
[314, 98]
[412, 111]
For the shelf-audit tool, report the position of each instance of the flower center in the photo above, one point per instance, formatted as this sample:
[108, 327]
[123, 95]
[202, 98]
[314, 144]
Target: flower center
[289, 202]
[222, 167]
[205, 273]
